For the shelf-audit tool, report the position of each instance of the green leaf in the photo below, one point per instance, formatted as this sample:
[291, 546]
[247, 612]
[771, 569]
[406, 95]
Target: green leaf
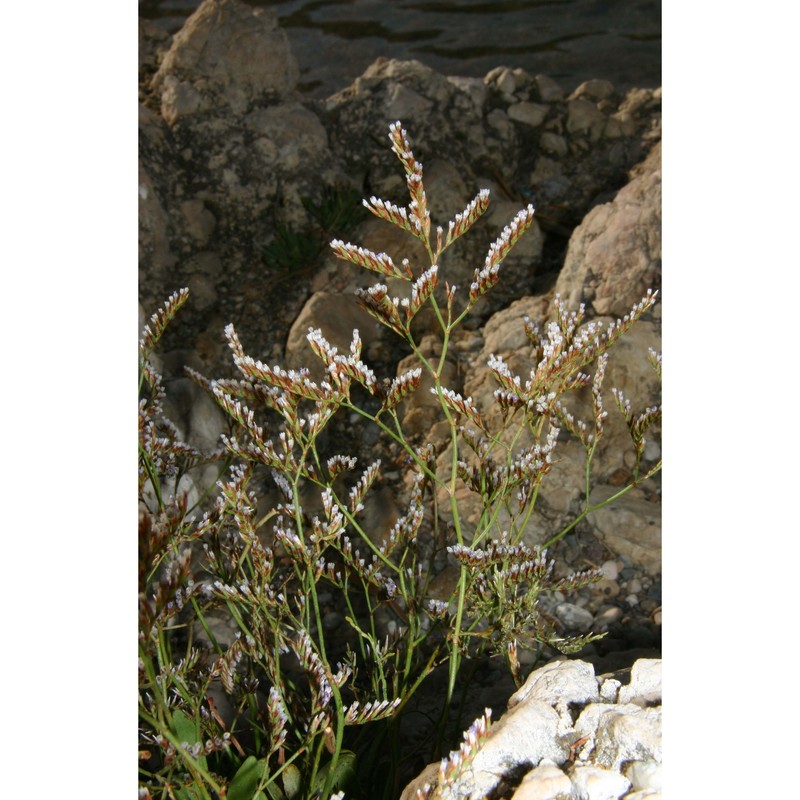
[246, 780]
[184, 793]
[292, 781]
[344, 775]
[186, 730]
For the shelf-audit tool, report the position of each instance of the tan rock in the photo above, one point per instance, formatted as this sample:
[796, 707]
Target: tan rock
[614, 255]
[227, 55]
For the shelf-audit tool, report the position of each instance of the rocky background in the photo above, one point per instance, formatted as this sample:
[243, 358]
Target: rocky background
[242, 181]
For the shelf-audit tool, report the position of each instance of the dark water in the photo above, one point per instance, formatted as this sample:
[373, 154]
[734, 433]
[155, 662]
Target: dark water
[569, 40]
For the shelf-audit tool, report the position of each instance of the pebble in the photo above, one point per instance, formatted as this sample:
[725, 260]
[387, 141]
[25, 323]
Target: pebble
[609, 690]
[610, 569]
[634, 586]
[532, 114]
[632, 600]
[606, 588]
[594, 783]
[549, 90]
[648, 605]
[332, 620]
[608, 616]
[574, 617]
[643, 774]
[657, 616]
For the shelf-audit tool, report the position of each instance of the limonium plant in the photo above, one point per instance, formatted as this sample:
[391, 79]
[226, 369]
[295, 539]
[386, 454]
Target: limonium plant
[287, 708]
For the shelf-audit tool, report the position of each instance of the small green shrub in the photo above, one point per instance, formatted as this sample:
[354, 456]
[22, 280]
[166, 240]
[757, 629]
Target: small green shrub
[339, 210]
[307, 715]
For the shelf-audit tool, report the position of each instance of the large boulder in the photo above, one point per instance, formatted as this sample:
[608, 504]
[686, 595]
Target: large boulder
[228, 56]
[614, 255]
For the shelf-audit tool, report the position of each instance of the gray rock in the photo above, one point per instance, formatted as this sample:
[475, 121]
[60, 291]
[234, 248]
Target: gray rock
[503, 79]
[554, 143]
[574, 618]
[610, 569]
[200, 222]
[631, 527]
[532, 114]
[609, 690]
[549, 90]
[474, 88]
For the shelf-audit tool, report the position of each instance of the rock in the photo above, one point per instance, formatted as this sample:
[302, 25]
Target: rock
[549, 90]
[544, 782]
[594, 89]
[620, 732]
[200, 221]
[584, 117]
[289, 136]
[503, 79]
[595, 783]
[614, 256]
[610, 569]
[154, 42]
[645, 685]
[554, 144]
[609, 690]
[574, 618]
[558, 682]
[532, 114]
[227, 56]
[590, 757]
[643, 775]
[606, 589]
[606, 618]
[337, 316]
[631, 528]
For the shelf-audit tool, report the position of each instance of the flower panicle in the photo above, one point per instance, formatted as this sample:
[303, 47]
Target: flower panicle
[468, 217]
[421, 290]
[155, 328]
[358, 492]
[488, 276]
[377, 262]
[418, 214]
[376, 302]
[455, 402]
[356, 714]
[401, 387]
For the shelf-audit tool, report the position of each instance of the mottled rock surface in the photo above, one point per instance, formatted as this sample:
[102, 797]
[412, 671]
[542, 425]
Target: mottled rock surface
[569, 734]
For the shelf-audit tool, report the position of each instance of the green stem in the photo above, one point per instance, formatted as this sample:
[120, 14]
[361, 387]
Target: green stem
[589, 509]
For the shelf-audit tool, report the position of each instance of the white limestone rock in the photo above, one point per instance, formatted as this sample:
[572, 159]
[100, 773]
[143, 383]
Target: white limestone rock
[558, 682]
[595, 783]
[547, 781]
[609, 749]
[645, 685]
